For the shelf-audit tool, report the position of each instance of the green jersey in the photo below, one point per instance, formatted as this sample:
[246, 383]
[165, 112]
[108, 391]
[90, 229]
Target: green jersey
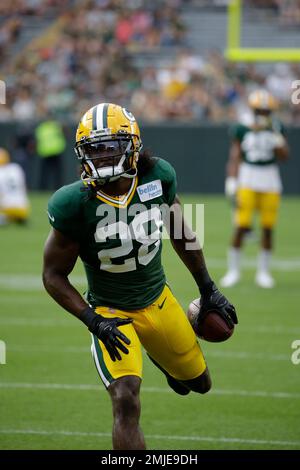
[257, 146]
[119, 238]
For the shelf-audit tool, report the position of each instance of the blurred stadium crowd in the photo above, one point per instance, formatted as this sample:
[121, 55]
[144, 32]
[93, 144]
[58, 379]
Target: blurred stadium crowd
[89, 51]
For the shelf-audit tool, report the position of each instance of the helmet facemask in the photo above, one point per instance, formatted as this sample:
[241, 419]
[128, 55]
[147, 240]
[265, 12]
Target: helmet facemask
[263, 117]
[106, 159]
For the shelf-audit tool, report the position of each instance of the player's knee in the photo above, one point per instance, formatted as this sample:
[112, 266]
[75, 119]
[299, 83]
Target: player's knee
[125, 397]
[201, 384]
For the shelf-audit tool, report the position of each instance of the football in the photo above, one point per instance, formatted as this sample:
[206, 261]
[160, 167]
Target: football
[213, 329]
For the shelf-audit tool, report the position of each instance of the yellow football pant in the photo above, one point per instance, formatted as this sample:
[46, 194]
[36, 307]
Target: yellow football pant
[267, 204]
[15, 213]
[164, 331]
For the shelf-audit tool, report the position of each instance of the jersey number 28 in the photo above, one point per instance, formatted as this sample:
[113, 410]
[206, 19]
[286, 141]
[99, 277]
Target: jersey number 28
[149, 242]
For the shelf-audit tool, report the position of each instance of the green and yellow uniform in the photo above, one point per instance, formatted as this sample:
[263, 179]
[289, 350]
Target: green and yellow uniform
[120, 247]
[259, 183]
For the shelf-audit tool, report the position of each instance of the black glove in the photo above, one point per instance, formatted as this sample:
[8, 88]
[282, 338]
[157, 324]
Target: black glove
[106, 330]
[213, 301]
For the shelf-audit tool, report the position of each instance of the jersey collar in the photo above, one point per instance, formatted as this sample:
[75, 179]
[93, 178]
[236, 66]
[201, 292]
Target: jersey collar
[119, 201]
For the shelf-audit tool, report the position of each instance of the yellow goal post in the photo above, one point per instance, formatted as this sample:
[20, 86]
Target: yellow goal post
[234, 51]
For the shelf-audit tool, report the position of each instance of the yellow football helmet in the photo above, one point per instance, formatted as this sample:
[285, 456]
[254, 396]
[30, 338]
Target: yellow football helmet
[262, 104]
[262, 100]
[108, 144]
[4, 156]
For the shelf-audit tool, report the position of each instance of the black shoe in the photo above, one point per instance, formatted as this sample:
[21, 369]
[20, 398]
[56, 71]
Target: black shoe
[175, 385]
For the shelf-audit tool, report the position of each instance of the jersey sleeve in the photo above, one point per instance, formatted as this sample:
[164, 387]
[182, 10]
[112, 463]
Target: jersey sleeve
[64, 212]
[278, 126]
[236, 132]
[168, 179]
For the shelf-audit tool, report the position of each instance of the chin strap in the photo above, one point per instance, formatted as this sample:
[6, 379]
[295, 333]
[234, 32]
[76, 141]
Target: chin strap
[92, 183]
[128, 175]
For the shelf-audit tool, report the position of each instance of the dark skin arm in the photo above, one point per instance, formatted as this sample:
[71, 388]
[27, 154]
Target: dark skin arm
[187, 247]
[60, 256]
[282, 153]
[234, 159]
[193, 259]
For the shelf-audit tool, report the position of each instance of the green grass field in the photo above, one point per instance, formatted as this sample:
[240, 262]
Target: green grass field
[51, 396]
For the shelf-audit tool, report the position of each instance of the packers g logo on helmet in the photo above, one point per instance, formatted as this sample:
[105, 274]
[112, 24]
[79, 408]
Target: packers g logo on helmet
[129, 115]
[107, 144]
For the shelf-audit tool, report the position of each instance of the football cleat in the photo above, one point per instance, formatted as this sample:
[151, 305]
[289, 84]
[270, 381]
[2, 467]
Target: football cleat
[230, 279]
[108, 144]
[264, 279]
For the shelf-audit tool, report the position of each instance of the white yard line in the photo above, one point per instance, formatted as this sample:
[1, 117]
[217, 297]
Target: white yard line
[240, 355]
[99, 388]
[274, 329]
[39, 322]
[25, 281]
[69, 321]
[243, 355]
[161, 437]
[291, 264]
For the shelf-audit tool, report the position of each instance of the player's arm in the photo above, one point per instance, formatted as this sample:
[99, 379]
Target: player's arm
[234, 159]
[60, 255]
[232, 168]
[281, 149]
[182, 237]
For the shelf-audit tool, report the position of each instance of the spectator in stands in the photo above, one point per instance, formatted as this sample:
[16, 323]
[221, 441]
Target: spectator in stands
[24, 106]
[24, 148]
[289, 12]
[50, 146]
[93, 52]
[279, 82]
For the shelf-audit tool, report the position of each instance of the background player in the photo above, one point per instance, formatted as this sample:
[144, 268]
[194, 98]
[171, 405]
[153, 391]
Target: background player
[112, 220]
[253, 177]
[14, 204]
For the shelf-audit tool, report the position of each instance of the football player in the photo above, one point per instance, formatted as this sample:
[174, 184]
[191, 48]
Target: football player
[253, 179]
[112, 220]
[14, 204]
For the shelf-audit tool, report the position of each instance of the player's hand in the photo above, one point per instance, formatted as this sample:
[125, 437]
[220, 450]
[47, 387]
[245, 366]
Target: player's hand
[278, 140]
[212, 300]
[106, 329]
[230, 186]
